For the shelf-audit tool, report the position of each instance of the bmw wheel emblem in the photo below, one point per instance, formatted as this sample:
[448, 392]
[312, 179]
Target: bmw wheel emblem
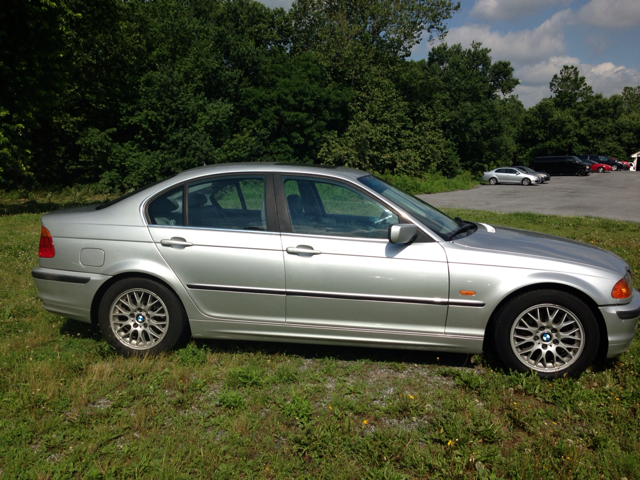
[546, 337]
[140, 318]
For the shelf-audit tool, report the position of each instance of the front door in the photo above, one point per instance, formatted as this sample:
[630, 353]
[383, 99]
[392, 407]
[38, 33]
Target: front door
[343, 273]
[226, 251]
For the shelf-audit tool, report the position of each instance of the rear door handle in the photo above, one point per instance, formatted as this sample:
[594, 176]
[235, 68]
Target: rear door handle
[303, 250]
[175, 242]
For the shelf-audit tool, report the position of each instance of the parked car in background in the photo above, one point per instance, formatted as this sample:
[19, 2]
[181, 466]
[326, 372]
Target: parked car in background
[614, 164]
[624, 162]
[598, 167]
[544, 177]
[510, 175]
[293, 253]
[561, 165]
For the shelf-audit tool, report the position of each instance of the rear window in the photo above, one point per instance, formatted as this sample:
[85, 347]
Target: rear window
[129, 194]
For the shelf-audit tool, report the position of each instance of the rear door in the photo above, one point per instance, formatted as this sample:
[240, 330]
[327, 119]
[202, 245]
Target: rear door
[225, 248]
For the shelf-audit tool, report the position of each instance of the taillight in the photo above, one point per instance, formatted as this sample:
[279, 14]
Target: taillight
[621, 289]
[46, 250]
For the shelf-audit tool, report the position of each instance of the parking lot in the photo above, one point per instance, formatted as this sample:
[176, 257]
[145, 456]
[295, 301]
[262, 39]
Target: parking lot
[614, 195]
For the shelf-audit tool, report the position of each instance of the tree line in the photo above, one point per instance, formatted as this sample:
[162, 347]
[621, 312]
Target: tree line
[124, 92]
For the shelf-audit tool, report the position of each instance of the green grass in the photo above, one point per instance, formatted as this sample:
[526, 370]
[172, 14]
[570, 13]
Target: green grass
[71, 408]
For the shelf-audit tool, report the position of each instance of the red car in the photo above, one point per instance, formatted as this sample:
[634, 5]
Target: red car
[598, 167]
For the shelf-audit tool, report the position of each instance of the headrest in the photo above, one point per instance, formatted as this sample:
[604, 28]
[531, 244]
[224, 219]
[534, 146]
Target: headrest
[196, 199]
[295, 203]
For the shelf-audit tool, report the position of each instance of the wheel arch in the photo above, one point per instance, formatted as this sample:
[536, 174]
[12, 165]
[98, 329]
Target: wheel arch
[593, 306]
[97, 298]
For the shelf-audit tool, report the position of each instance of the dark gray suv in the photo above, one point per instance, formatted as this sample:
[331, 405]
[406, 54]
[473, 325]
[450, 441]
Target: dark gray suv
[561, 165]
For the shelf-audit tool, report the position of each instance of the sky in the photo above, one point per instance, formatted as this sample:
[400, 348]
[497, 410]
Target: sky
[538, 37]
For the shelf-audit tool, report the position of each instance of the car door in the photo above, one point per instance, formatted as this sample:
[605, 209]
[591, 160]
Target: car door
[342, 272]
[501, 173]
[512, 175]
[225, 248]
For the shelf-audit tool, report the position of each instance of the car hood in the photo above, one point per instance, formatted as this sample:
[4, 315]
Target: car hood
[549, 247]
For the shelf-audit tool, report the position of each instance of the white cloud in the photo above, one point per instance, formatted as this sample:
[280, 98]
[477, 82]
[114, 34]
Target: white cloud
[611, 13]
[519, 47]
[499, 10]
[605, 78]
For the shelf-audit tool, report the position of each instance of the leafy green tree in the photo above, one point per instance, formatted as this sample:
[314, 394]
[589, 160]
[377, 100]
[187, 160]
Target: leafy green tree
[569, 88]
[469, 96]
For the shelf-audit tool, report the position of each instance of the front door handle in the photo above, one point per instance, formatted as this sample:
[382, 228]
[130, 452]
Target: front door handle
[175, 242]
[303, 250]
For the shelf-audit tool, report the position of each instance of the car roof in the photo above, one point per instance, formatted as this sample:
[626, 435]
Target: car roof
[273, 167]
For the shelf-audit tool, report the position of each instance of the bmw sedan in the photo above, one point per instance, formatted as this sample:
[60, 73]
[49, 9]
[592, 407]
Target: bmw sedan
[510, 175]
[297, 253]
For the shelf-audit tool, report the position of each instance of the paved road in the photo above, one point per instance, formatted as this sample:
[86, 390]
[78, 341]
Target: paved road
[614, 195]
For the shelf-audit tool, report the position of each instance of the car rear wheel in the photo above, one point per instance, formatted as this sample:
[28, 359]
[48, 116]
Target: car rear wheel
[614, 167]
[139, 316]
[600, 169]
[493, 181]
[549, 332]
[526, 181]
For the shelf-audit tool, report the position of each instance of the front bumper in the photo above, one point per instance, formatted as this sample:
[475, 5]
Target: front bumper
[65, 293]
[622, 324]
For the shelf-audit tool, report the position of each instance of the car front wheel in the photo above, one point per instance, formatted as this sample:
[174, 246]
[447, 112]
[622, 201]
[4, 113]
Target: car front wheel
[550, 332]
[526, 181]
[614, 167]
[138, 316]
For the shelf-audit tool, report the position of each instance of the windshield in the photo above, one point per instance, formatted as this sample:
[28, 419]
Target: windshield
[422, 211]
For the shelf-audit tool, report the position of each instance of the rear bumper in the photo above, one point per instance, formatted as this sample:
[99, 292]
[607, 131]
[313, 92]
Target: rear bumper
[622, 325]
[68, 294]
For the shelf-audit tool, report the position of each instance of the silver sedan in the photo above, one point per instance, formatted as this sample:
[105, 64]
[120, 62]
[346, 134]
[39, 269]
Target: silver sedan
[510, 175]
[294, 253]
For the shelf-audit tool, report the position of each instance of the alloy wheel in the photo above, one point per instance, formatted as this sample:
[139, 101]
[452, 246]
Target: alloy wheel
[547, 338]
[139, 319]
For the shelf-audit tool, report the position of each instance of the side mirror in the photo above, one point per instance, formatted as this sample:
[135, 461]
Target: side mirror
[402, 233]
[517, 173]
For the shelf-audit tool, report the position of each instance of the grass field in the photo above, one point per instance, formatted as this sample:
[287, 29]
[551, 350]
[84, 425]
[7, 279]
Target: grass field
[71, 408]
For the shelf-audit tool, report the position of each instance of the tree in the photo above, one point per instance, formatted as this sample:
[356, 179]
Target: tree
[569, 88]
[469, 97]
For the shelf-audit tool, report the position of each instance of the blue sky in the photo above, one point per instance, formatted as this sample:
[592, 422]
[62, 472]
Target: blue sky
[538, 37]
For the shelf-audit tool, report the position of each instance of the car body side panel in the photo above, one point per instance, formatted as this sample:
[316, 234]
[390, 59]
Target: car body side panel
[492, 284]
[410, 283]
[316, 334]
[621, 332]
[237, 275]
[69, 299]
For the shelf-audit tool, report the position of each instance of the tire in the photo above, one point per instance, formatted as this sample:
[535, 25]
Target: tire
[526, 182]
[581, 173]
[493, 181]
[527, 337]
[600, 169]
[614, 167]
[139, 316]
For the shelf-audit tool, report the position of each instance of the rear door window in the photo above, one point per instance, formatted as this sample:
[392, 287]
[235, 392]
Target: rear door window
[235, 203]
